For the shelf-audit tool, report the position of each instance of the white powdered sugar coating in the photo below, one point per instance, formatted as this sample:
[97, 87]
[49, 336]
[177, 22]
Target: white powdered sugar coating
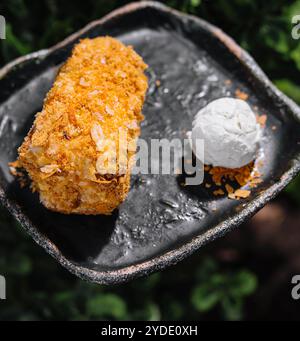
[230, 132]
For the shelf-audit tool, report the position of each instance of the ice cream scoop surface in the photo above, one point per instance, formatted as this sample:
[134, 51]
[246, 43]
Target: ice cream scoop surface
[230, 132]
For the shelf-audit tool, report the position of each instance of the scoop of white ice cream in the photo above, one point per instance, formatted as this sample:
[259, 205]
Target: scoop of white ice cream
[230, 132]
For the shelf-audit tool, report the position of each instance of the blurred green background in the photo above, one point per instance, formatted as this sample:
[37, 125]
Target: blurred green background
[245, 275]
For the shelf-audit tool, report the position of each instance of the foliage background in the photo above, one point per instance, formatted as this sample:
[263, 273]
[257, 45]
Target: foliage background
[227, 280]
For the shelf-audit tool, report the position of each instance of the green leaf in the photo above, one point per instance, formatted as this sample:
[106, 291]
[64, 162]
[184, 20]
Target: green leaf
[276, 37]
[149, 283]
[174, 310]
[21, 265]
[289, 88]
[218, 280]
[107, 305]
[293, 189]
[204, 298]
[232, 308]
[63, 296]
[295, 55]
[152, 312]
[243, 283]
[291, 10]
[207, 268]
[195, 3]
[21, 47]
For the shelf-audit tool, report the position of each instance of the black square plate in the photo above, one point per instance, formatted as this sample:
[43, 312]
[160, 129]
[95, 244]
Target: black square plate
[160, 222]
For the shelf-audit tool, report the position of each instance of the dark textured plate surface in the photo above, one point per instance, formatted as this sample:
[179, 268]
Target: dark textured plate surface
[161, 222]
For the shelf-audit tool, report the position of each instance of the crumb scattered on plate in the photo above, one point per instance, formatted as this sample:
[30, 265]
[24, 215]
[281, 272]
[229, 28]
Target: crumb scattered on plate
[245, 176]
[261, 119]
[241, 95]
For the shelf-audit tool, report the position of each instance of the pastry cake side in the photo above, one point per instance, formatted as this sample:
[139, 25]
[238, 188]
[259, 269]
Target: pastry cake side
[74, 152]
